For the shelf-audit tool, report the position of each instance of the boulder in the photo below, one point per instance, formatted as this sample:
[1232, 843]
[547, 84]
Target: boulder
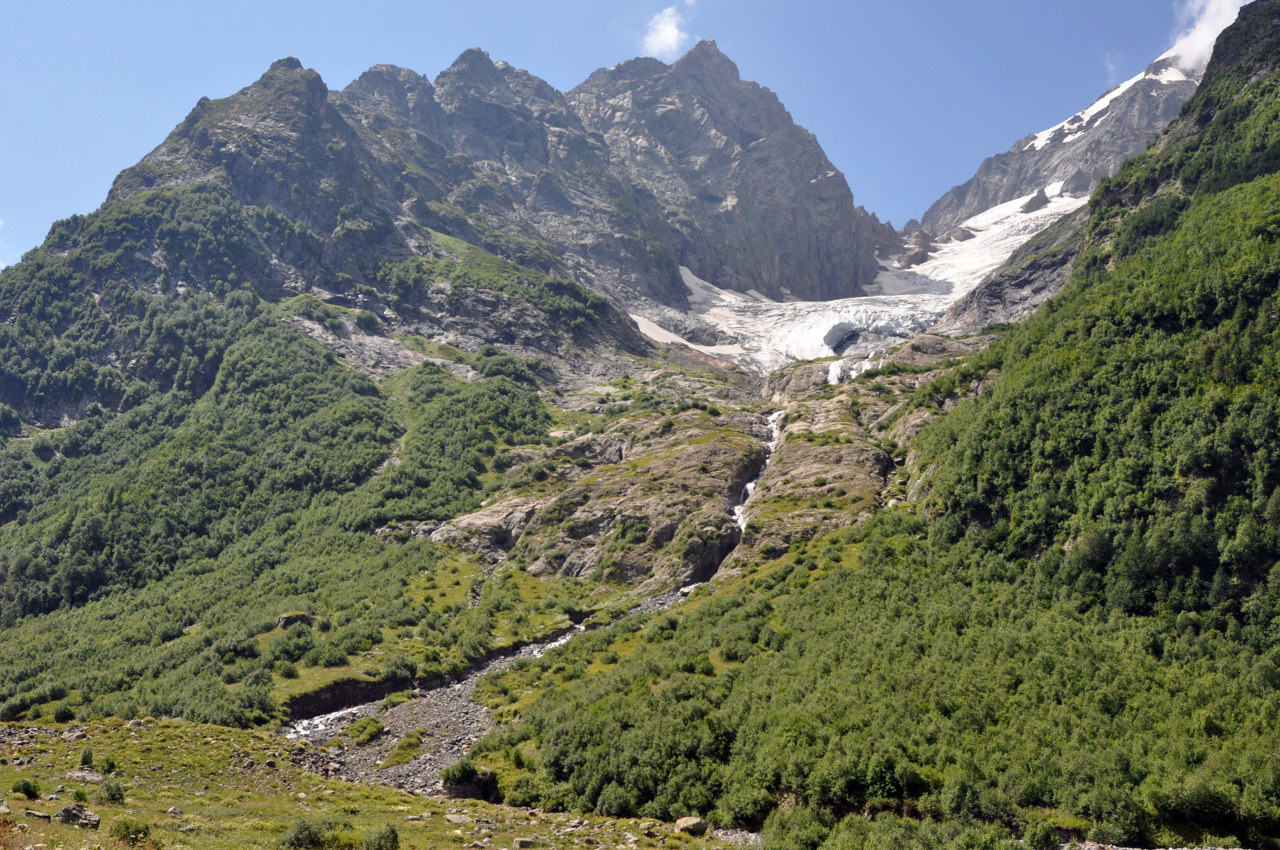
[84, 774]
[692, 826]
[290, 618]
[77, 815]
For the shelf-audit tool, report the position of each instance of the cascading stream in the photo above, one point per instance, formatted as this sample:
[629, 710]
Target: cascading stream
[775, 437]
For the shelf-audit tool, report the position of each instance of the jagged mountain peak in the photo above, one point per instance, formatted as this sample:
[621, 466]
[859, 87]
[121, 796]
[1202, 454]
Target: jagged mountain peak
[775, 215]
[474, 76]
[639, 68]
[381, 75]
[288, 63]
[706, 59]
[289, 74]
[472, 68]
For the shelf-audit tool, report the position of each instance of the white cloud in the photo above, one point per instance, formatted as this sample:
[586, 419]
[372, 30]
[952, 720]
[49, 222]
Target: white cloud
[665, 36]
[1199, 24]
[1114, 64]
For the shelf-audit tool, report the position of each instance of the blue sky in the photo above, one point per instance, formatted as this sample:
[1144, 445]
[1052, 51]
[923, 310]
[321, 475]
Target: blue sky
[906, 96]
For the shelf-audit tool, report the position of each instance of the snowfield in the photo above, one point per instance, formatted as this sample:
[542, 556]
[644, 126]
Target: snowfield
[905, 302]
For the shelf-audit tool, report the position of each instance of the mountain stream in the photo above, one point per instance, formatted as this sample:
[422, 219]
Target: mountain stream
[775, 439]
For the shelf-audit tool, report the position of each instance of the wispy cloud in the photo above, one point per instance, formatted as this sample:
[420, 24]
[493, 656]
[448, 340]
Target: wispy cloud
[1114, 63]
[665, 37]
[1199, 24]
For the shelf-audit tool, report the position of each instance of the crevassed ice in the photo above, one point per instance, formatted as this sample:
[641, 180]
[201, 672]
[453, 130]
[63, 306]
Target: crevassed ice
[904, 302]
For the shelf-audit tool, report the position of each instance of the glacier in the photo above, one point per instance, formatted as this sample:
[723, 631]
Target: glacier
[903, 302]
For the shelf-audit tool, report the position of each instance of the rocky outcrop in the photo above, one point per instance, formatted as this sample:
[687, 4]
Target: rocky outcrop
[753, 201]
[79, 816]
[659, 516]
[490, 532]
[692, 826]
[293, 618]
[1035, 273]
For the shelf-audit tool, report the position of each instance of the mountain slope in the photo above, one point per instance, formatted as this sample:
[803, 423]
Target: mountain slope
[1071, 626]
[1080, 151]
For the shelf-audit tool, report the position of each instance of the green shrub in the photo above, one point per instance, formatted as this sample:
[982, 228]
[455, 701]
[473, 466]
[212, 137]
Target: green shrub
[386, 838]
[86, 757]
[365, 730]
[460, 773]
[1041, 836]
[112, 792]
[391, 700]
[28, 788]
[305, 834]
[130, 831]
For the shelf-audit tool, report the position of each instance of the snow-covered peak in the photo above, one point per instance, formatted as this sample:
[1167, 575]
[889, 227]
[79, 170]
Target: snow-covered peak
[1162, 71]
[1186, 60]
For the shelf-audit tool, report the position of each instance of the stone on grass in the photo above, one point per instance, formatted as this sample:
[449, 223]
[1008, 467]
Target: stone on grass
[77, 815]
[692, 826]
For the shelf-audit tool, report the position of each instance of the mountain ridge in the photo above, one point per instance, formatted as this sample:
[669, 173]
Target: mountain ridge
[533, 173]
[1078, 152]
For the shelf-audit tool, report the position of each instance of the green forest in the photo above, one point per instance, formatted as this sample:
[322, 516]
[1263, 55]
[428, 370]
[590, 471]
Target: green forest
[221, 468]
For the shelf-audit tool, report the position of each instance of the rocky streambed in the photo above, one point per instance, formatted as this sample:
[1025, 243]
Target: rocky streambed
[445, 714]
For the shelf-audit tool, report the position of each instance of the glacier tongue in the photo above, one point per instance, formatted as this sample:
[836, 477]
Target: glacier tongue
[904, 303]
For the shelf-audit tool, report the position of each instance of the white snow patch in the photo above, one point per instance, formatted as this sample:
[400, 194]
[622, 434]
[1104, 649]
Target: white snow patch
[1170, 75]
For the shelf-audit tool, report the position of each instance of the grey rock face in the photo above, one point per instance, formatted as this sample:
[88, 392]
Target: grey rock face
[753, 201]
[1035, 273]
[1088, 147]
[607, 186]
